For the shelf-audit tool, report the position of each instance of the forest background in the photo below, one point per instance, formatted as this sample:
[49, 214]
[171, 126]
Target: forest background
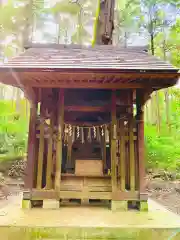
[152, 23]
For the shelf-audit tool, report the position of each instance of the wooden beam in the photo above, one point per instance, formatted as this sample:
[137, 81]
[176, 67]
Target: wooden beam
[31, 159]
[87, 124]
[105, 108]
[51, 194]
[29, 93]
[140, 128]
[103, 147]
[113, 142]
[69, 152]
[122, 195]
[131, 155]
[87, 108]
[122, 155]
[88, 85]
[41, 152]
[60, 122]
[49, 155]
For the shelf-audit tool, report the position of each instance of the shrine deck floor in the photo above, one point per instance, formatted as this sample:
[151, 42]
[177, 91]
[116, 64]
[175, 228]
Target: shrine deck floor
[92, 222]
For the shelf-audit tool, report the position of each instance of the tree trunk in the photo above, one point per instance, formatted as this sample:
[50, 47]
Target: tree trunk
[158, 122]
[166, 92]
[80, 26]
[27, 32]
[125, 39]
[152, 44]
[59, 34]
[105, 24]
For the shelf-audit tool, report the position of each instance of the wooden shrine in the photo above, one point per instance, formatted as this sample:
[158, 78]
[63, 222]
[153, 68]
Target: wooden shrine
[86, 130]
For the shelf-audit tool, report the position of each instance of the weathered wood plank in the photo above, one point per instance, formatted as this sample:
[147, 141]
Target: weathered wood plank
[87, 108]
[129, 195]
[43, 194]
[51, 194]
[113, 142]
[31, 157]
[41, 152]
[49, 156]
[140, 128]
[86, 195]
[69, 153]
[103, 147]
[131, 154]
[60, 122]
[122, 155]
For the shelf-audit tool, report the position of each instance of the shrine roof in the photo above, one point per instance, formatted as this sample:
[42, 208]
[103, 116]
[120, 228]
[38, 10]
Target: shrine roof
[99, 57]
[100, 63]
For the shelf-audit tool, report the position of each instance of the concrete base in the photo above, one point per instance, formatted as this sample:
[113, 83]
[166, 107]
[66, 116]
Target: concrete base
[51, 204]
[84, 201]
[119, 205]
[87, 223]
[144, 206]
[26, 204]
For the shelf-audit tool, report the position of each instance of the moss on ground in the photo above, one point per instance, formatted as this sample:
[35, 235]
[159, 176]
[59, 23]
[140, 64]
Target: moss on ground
[12, 233]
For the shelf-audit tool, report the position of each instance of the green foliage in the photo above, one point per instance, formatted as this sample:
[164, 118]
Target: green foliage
[13, 130]
[163, 150]
[125, 23]
[167, 44]
[66, 7]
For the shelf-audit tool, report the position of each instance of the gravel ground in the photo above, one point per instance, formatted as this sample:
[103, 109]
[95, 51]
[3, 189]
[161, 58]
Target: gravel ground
[166, 193]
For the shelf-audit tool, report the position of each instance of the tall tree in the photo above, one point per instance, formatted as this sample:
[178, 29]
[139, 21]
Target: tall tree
[105, 22]
[126, 14]
[80, 12]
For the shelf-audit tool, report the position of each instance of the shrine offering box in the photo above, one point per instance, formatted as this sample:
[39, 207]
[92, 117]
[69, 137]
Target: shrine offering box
[89, 167]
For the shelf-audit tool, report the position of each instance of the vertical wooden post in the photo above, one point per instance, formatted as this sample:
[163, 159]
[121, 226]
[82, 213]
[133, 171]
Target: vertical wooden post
[69, 153]
[29, 176]
[110, 136]
[60, 122]
[113, 142]
[131, 154]
[103, 147]
[140, 139]
[122, 155]
[41, 150]
[50, 153]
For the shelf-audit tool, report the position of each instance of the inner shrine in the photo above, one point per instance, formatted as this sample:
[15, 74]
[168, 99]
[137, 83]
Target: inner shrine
[86, 130]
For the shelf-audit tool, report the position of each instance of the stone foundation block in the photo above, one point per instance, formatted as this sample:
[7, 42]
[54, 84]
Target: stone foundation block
[26, 204]
[144, 206]
[51, 204]
[119, 205]
[84, 201]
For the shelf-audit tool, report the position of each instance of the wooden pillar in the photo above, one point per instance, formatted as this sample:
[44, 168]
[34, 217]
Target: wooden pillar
[113, 142]
[29, 176]
[59, 145]
[131, 154]
[122, 155]
[41, 149]
[50, 154]
[140, 141]
[103, 147]
[69, 153]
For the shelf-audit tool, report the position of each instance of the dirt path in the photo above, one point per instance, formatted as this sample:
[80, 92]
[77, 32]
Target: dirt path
[166, 193]
[13, 191]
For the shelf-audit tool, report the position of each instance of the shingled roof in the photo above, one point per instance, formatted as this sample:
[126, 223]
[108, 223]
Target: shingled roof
[102, 64]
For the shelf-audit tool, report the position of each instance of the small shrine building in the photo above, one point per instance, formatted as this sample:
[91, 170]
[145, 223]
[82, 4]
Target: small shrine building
[86, 129]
